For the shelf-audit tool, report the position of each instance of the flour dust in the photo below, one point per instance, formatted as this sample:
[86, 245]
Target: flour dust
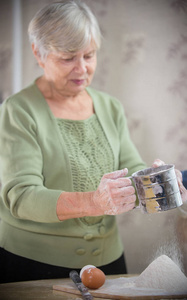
[172, 250]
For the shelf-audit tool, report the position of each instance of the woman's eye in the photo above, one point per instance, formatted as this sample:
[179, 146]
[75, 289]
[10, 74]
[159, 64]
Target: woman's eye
[69, 59]
[89, 56]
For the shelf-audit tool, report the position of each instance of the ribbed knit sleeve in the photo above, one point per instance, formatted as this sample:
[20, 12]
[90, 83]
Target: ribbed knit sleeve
[24, 193]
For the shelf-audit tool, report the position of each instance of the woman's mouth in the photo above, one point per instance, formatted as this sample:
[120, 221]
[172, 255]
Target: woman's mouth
[78, 81]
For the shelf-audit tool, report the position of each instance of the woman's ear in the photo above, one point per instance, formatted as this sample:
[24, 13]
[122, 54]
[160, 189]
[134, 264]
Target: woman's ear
[37, 55]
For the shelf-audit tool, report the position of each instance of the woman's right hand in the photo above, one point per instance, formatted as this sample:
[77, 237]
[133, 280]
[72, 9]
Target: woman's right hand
[115, 194]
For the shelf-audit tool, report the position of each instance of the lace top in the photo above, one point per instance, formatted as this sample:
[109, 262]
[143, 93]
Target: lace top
[89, 152]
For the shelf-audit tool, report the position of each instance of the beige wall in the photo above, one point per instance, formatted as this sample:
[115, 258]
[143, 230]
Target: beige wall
[143, 62]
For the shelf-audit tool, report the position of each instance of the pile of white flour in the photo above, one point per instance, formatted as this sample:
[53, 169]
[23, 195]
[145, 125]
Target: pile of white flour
[164, 274]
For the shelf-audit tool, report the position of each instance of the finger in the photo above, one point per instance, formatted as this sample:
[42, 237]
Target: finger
[125, 208]
[119, 204]
[117, 210]
[122, 193]
[129, 199]
[178, 174]
[116, 174]
[157, 163]
[129, 206]
[119, 183]
[183, 193]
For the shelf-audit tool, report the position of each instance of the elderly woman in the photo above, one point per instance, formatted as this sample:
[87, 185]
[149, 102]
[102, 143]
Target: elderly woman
[65, 151]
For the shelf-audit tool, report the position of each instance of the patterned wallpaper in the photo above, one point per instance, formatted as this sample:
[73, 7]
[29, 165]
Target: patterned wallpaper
[142, 62]
[5, 48]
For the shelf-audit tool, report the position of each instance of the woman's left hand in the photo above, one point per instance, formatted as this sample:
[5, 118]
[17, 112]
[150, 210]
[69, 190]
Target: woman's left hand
[183, 191]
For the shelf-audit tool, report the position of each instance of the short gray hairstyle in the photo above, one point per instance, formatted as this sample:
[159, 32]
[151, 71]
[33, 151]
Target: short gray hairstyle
[64, 26]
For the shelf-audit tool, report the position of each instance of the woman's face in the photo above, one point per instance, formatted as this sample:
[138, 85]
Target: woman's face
[70, 73]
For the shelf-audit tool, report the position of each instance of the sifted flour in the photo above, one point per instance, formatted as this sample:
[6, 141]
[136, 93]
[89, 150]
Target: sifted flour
[164, 274]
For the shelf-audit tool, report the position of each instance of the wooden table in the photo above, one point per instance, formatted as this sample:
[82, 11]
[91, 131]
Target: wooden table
[43, 289]
[33, 290]
[36, 290]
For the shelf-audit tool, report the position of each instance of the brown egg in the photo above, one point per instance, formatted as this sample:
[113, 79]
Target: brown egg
[92, 277]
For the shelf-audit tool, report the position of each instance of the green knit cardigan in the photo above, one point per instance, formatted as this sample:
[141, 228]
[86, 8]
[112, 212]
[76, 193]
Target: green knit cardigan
[35, 169]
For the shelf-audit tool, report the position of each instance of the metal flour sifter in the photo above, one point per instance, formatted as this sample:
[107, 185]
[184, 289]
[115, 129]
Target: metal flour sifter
[157, 189]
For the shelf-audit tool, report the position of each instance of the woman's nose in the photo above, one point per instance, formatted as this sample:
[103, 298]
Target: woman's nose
[80, 66]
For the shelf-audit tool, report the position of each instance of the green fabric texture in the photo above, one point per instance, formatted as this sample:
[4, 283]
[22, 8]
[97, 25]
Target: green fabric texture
[89, 152]
[36, 166]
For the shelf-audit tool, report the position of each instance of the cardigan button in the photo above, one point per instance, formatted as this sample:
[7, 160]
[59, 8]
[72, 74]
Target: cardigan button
[80, 251]
[102, 230]
[88, 236]
[96, 252]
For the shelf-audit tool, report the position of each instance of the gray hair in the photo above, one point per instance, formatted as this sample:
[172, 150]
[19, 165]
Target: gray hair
[64, 26]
